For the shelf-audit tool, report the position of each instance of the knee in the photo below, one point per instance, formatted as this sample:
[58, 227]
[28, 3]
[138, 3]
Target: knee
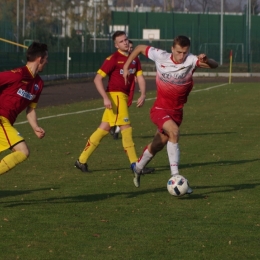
[25, 151]
[173, 135]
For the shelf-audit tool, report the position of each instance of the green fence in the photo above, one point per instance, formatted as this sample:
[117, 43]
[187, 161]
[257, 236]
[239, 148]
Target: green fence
[57, 62]
[203, 30]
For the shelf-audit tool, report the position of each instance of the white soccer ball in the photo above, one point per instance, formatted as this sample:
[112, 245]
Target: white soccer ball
[177, 185]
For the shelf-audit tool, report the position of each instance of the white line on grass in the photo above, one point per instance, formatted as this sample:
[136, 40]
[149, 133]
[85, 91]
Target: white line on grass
[99, 108]
[209, 88]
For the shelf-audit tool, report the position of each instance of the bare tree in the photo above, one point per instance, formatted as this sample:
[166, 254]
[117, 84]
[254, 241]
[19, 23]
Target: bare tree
[190, 5]
[254, 6]
[204, 5]
[236, 6]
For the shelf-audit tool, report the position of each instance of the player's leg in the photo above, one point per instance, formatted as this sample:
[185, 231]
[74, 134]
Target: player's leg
[116, 132]
[129, 147]
[171, 129]
[108, 120]
[149, 152]
[11, 139]
[115, 128]
[91, 145]
[123, 120]
[13, 159]
[112, 130]
[157, 144]
[158, 117]
[128, 143]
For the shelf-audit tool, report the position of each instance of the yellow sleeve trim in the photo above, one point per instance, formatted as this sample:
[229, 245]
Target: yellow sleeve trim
[33, 105]
[102, 73]
[139, 73]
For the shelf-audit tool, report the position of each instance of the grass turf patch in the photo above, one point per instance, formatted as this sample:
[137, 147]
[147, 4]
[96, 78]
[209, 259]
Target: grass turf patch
[50, 210]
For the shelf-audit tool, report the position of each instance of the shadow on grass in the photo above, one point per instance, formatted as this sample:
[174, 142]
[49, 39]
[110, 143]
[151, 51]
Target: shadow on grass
[219, 163]
[160, 168]
[215, 163]
[79, 198]
[131, 194]
[89, 198]
[220, 189]
[193, 134]
[12, 193]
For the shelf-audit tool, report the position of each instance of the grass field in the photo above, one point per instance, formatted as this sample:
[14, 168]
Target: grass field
[50, 210]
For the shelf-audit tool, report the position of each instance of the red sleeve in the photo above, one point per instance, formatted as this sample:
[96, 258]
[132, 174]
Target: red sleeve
[9, 77]
[108, 65]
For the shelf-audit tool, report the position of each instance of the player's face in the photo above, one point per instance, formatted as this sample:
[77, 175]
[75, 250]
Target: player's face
[43, 62]
[122, 43]
[131, 47]
[179, 53]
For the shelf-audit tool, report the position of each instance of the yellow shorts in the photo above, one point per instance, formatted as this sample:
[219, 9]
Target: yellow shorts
[119, 114]
[9, 136]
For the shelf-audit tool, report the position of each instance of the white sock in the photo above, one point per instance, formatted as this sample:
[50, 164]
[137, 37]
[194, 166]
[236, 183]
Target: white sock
[145, 158]
[174, 157]
[117, 129]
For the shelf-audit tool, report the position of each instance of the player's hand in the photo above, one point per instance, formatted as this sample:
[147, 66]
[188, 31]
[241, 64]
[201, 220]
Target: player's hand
[203, 58]
[107, 103]
[125, 75]
[39, 132]
[140, 101]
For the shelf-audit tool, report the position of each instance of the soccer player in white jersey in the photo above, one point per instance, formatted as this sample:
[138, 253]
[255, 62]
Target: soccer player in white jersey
[174, 82]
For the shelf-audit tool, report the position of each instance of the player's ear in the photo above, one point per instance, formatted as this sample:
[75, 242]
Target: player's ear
[39, 59]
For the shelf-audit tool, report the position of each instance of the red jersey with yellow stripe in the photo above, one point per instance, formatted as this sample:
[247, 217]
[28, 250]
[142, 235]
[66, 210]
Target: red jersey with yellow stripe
[113, 68]
[18, 90]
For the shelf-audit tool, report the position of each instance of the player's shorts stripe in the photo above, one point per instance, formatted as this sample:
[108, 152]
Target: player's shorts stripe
[5, 133]
[117, 107]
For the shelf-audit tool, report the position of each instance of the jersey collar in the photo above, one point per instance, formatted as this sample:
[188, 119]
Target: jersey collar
[124, 53]
[173, 60]
[30, 70]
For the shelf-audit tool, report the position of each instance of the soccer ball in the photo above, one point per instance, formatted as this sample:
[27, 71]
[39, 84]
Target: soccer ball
[177, 185]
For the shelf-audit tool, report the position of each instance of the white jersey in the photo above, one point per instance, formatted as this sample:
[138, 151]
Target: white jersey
[174, 81]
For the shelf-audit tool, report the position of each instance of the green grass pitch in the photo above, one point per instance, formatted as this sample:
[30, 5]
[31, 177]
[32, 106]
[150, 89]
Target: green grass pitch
[50, 210]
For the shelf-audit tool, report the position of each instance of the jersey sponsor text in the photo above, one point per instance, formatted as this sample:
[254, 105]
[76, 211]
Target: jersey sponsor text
[25, 94]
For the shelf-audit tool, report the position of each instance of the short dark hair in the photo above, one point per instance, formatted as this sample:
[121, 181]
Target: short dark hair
[181, 40]
[130, 41]
[118, 33]
[35, 50]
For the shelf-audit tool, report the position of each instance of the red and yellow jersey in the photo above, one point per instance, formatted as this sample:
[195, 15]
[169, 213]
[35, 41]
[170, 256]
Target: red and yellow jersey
[113, 68]
[18, 90]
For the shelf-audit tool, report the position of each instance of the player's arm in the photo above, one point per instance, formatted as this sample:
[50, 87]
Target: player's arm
[9, 77]
[98, 80]
[137, 50]
[32, 119]
[204, 62]
[142, 86]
